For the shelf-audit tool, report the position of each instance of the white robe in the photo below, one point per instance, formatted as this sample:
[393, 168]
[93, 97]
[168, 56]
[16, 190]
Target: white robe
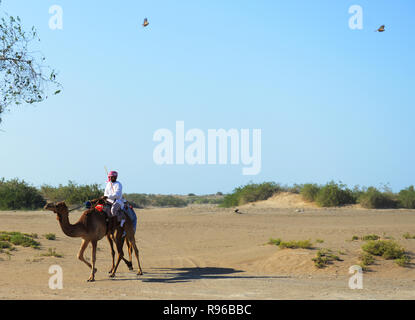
[113, 190]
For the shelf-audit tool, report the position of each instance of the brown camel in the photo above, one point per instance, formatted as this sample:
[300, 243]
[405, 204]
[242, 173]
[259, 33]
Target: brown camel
[92, 227]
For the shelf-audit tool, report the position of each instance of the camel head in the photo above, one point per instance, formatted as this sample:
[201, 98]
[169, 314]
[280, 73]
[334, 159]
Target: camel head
[59, 208]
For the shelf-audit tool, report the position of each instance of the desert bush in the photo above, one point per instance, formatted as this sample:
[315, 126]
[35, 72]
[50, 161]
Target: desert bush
[366, 259]
[293, 244]
[18, 195]
[204, 200]
[403, 261]
[406, 198]
[250, 193]
[370, 237]
[333, 194]
[140, 200]
[275, 242]
[408, 236]
[388, 249]
[324, 257]
[372, 198]
[168, 201]
[137, 200]
[19, 239]
[301, 244]
[309, 191]
[72, 193]
[50, 236]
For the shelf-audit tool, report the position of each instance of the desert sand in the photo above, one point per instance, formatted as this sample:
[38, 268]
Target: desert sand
[206, 252]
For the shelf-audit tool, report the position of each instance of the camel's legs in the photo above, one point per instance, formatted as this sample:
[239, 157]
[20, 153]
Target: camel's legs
[112, 252]
[128, 263]
[133, 245]
[130, 250]
[84, 245]
[93, 259]
[119, 241]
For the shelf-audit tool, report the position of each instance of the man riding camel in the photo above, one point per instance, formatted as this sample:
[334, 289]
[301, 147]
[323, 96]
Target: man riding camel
[113, 195]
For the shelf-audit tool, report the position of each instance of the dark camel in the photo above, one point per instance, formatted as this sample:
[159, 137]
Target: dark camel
[92, 227]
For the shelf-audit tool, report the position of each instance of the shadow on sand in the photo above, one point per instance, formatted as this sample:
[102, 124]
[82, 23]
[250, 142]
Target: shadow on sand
[175, 275]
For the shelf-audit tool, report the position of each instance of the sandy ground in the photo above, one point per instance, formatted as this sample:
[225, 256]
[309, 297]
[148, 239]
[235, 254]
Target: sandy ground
[204, 252]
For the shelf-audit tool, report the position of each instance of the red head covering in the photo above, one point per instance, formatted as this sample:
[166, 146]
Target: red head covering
[112, 174]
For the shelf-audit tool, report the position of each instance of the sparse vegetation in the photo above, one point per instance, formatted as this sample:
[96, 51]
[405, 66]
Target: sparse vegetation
[406, 198]
[309, 191]
[388, 249]
[52, 253]
[293, 244]
[408, 236]
[151, 200]
[372, 198]
[302, 244]
[274, 241]
[250, 193]
[18, 195]
[366, 259]
[50, 236]
[19, 239]
[370, 237]
[403, 261]
[333, 195]
[72, 193]
[325, 257]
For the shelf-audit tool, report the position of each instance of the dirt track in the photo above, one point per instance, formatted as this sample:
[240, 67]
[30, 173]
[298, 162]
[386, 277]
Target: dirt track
[204, 252]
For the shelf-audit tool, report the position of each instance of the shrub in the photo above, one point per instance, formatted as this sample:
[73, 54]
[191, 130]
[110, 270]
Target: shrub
[72, 193]
[406, 198]
[370, 237]
[372, 198]
[388, 249]
[303, 244]
[333, 194]
[366, 259]
[230, 200]
[408, 236]
[169, 201]
[403, 261]
[354, 238]
[18, 195]
[324, 257]
[50, 236]
[250, 193]
[309, 191]
[274, 241]
[19, 239]
[5, 245]
[144, 200]
[137, 200]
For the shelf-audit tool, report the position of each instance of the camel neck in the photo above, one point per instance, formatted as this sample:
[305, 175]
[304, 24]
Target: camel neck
[71, 230]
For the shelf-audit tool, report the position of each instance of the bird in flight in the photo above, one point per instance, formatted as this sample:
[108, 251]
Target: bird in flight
[145, 23]
[381, 29]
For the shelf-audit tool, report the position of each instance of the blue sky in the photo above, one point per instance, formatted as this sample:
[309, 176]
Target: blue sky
[332, 103]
